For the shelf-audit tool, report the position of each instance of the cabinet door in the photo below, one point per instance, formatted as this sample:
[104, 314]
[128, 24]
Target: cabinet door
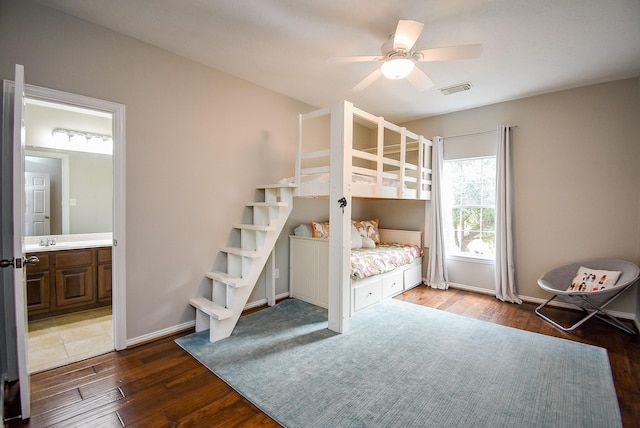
[308, 276]
[104, 283]
[75, 286]
[38, 292]
[38, 284]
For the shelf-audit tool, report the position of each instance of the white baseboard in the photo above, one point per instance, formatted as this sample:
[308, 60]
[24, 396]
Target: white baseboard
[264, 301]
[161, 333]
[188, 325]
[538, 301]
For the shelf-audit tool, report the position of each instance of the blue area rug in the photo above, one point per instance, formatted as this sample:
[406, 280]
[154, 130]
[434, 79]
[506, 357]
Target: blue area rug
[405, 365]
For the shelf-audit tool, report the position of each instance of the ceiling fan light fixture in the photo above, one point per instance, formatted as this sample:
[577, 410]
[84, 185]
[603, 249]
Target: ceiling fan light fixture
[397, 68]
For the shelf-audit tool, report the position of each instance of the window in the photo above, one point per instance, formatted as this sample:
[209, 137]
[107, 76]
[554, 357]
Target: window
[469, 206]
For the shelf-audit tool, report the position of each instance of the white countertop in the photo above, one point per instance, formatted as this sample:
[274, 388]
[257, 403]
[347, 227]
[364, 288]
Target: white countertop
[67, 242]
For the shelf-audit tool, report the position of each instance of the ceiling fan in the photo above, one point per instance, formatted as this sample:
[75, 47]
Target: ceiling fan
[399, 57]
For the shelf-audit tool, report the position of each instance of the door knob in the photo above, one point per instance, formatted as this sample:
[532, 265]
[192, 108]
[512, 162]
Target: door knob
[33, 260]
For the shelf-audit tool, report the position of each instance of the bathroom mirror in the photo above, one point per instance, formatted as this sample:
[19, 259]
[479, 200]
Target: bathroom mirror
[68, 180]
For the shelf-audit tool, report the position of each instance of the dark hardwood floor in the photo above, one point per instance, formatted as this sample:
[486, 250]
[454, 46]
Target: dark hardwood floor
[158, 384]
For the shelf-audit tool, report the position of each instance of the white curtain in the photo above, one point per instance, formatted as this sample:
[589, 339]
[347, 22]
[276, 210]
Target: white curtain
[504, 268]
[437, 276]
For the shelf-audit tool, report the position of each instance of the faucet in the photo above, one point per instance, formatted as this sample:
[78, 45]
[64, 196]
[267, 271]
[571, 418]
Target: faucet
[48, 242]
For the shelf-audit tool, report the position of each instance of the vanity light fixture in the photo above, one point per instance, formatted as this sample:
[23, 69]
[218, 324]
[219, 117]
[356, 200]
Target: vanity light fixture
[61, 135]
[79, 141]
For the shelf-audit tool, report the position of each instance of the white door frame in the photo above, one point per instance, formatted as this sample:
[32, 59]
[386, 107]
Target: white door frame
[119, 194]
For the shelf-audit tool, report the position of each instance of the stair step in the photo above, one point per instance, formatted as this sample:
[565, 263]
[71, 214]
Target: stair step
[276, 186]
[262, 227]
[240, 252]
[225, 278]
[210, 308]
[268, 204]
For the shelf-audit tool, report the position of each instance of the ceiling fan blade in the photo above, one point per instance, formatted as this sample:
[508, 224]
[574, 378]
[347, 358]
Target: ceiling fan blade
[354, 58]
[449, 53]
[367, 80]
[419, 79]
[407, 32]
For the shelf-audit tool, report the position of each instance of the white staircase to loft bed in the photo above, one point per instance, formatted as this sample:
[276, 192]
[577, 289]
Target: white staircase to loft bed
[340, 160]
[230, 290]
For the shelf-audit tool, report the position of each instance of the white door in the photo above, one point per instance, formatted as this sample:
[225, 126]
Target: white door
[37, 210]
[18, 222]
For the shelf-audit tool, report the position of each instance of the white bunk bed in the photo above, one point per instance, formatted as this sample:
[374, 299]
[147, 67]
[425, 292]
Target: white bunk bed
[345, 153]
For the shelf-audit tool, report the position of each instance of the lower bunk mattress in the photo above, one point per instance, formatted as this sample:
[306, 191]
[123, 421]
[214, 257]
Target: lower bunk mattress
[366, 262]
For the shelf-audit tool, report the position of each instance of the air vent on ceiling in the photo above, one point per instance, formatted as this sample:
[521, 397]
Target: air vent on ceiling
[456, 88]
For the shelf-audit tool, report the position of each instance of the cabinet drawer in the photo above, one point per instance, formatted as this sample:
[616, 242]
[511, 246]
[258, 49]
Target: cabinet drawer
[392, 284]
[367, 294]
[43, 263]
[412, 277]
[74, 258]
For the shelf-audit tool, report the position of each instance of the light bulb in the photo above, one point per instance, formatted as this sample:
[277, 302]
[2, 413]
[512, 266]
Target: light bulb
[397, 68]
[60, 137]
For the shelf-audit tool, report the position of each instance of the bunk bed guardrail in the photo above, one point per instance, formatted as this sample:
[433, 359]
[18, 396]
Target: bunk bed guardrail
[386, 160]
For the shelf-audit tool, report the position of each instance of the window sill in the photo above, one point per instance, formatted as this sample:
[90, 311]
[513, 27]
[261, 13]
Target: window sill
[471, 259]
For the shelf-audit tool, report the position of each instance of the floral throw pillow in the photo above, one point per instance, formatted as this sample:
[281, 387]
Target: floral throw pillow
[320, 230]
[368, 229]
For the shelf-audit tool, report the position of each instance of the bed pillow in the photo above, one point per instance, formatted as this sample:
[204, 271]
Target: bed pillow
[303, 230]
[593, 280]
[368, 229]
[320, 230]
[368, 242]
[356, 239]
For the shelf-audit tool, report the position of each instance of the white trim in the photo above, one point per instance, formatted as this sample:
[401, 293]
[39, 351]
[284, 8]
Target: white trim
[471, 259]
[472, 288]
[538, 300]
[262, 302]
[161, 333]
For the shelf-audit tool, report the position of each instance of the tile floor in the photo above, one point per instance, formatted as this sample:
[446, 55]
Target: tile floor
[65, 339]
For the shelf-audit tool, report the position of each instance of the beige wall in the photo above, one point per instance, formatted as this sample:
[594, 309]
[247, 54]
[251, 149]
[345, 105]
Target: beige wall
[198, 142]
[575, 156]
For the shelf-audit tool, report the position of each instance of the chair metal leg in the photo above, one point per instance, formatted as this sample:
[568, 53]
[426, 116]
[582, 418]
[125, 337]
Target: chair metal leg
[595, 312]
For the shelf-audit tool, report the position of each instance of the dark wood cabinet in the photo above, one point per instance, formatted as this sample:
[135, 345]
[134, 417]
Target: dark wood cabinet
[68, 281]
[39, 286]
[104, 274]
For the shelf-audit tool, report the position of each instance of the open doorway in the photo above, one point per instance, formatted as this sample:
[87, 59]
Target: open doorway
[69, 227]
[70, 182]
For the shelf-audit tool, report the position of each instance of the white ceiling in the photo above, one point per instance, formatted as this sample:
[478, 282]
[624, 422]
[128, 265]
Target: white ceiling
[530, 46]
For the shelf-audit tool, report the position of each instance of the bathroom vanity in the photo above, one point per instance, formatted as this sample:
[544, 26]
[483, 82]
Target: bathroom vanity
[68, 279]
